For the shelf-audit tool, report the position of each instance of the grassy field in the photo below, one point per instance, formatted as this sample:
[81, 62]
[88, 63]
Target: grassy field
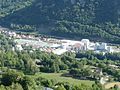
[59, 78]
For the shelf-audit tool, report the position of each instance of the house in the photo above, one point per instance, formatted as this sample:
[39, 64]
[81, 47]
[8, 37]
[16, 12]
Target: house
[114, 66]
[104, 80]
[99, 71]
[46, 88]
[59, 51]
[102, 46]
[77, 47]
[19, 47]
[110, 49]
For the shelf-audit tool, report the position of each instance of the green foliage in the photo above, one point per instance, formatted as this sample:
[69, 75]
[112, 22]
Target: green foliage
[14, 86]
[60, 88]
[12, 62]
[27, 83]
[10, 6]
[10, 77]
[94, 19]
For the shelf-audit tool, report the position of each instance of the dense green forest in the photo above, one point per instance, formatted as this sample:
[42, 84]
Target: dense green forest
[94, 19]
[10, 6]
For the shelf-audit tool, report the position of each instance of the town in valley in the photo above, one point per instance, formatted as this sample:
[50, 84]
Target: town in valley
[57, 46]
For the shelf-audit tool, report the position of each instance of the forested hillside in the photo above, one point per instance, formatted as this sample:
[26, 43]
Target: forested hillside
[93, 19]
[9, 6]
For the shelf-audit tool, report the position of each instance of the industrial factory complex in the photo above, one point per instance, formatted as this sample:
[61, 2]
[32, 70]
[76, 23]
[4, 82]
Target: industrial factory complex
[57, 46]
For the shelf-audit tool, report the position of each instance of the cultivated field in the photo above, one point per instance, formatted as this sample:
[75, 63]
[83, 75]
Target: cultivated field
[59, 78]
[109, 85]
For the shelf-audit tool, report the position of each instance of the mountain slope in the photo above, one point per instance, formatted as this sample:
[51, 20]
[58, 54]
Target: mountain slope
[93, 19]
[10, 6]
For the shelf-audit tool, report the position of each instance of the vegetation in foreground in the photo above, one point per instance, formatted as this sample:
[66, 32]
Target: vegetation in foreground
[60, 78]
[26, 70]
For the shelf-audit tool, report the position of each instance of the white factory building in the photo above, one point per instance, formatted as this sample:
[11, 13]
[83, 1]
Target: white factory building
[83, 45]
[64, 46]
[102, 46]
